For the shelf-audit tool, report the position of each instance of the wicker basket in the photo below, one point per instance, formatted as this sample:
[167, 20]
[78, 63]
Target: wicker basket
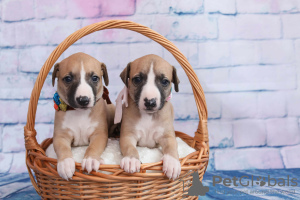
[118, 184]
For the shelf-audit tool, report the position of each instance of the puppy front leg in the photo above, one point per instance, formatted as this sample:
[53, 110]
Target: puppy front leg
[92, 160]
[171, 164]
[66, 163]
[131, 161]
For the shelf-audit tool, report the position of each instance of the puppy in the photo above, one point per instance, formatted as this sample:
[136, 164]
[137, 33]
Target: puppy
[148, 119]
[88, 117]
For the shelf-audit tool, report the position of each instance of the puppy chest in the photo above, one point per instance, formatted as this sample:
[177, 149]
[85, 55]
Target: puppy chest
[148, 132]
[80, 126]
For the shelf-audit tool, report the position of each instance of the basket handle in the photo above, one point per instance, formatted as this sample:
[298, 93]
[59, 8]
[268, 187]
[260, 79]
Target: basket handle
[201, 134]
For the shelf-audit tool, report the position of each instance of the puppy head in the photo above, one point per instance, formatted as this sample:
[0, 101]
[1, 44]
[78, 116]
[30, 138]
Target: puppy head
[148, 80]
[79, 80]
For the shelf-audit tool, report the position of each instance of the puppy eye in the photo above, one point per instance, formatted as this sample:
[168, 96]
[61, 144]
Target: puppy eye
[95, 79]
[137, 80]
[68, 79]
[165, 82]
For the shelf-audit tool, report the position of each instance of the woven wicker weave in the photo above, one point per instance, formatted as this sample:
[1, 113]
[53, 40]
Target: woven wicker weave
[118, 184]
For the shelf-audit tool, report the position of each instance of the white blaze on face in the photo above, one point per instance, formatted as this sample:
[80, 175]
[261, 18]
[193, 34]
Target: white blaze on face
[150, 90]
[84, 89]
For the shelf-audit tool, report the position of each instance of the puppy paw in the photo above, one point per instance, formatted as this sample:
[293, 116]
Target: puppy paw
[66, 168]
[91, 164]
[130, 165]
[171, 166]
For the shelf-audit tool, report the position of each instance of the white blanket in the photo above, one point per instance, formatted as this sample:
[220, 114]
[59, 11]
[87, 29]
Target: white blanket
[112, 154]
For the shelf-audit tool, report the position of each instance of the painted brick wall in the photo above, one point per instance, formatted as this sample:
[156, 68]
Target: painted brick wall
[245, 53]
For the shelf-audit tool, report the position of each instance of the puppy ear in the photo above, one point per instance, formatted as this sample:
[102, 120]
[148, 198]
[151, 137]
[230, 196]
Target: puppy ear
[105, 75]
[54, 73]
[175, 79]
[125, 74]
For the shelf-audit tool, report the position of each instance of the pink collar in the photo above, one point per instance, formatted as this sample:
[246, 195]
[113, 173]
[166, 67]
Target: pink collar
[123, 98]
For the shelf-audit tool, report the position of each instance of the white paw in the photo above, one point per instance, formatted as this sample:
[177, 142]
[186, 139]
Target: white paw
[130, 165]
[91, 164]
[171, 166]
[66, 168]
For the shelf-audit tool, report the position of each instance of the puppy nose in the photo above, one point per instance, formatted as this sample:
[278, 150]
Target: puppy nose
[150, 103]
[83, 100]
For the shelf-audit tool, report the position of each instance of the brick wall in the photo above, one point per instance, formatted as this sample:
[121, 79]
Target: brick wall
[243, 51]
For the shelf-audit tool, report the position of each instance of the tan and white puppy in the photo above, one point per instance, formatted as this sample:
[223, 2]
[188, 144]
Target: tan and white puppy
[79, 85]
[148, 119]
